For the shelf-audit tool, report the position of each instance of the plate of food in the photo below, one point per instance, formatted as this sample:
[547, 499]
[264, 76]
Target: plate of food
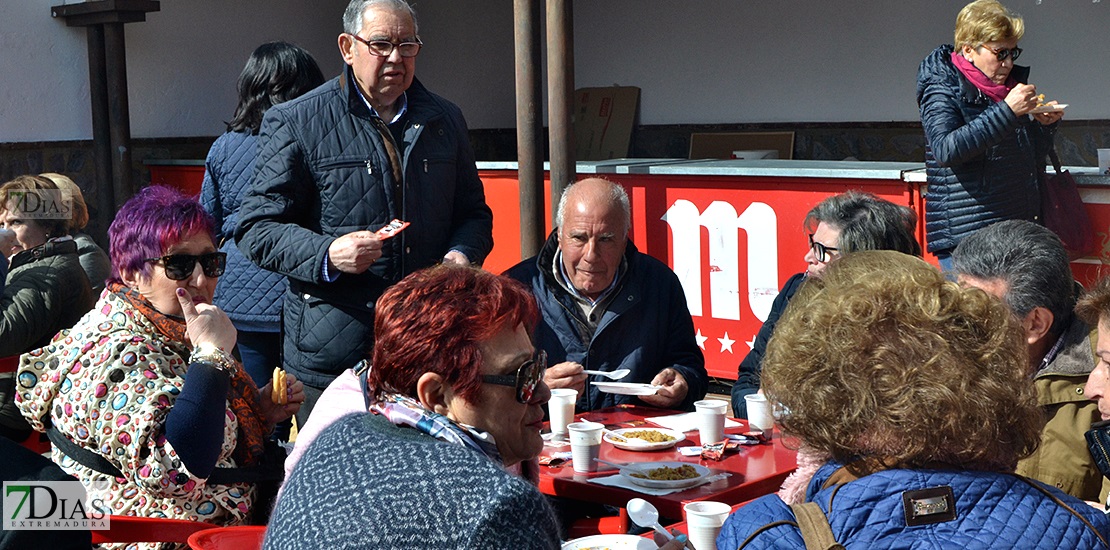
[626, 388]
[644, 439]
[665, 475]
[610, 542]
[1049, 108]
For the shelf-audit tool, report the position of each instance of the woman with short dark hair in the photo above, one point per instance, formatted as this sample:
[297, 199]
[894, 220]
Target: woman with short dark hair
[251, 296]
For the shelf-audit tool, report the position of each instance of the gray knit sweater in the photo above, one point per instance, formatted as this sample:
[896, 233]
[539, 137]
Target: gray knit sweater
[365, 483]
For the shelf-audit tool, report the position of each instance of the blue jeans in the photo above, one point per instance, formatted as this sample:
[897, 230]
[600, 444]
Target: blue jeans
[260, 353]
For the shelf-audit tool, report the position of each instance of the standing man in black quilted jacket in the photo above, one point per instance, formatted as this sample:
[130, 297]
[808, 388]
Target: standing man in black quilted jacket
[339, 163]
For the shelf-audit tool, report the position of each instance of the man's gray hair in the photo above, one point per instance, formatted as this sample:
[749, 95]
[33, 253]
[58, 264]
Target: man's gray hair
[617, 195]
[352, 16]
[1029, 259]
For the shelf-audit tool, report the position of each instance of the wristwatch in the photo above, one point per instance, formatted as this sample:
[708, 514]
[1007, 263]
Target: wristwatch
[213, 355]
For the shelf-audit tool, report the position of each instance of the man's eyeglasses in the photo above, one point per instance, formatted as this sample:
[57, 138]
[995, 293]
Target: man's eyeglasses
[527, 377]
[1002, 53]
[820, 251]
[384, 48]
[180, 266]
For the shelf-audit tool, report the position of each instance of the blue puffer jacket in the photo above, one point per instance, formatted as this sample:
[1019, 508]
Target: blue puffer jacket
[646, 328]
[250, 295]
[323, 171]
[983, 163]
[992, 510]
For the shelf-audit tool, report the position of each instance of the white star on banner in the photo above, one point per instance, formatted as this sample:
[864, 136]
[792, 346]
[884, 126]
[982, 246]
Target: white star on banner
[726, 343]
[701, 339]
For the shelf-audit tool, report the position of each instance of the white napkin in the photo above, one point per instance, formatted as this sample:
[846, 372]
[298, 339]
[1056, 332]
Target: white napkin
[624, 483]
[685, 422]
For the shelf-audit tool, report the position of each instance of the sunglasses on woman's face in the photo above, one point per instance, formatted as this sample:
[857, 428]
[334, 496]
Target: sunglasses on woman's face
[527, 377]
[179, 267]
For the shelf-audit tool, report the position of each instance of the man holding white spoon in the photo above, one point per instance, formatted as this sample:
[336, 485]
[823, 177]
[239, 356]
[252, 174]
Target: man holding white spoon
[607, 306]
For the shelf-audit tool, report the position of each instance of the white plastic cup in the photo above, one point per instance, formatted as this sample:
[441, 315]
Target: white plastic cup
[759, 412]
[704, 519]
[1104, 162]
[561, 407]
[585, 445]
[711, 420]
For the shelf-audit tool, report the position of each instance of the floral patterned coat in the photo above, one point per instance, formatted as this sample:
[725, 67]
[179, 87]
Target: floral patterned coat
[108, 384]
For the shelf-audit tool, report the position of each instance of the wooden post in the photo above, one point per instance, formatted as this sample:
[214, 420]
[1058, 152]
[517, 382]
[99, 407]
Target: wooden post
[560, 93]
[529, 102]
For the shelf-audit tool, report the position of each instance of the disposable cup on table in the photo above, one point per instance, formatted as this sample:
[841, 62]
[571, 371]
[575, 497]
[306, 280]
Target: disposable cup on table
[585, 445]
[711, 419]
[704, 519]
[759, 412]
[561, 407]
[1103, 162]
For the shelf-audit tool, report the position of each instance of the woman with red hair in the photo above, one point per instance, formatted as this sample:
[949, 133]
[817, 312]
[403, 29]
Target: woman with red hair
[456, 391]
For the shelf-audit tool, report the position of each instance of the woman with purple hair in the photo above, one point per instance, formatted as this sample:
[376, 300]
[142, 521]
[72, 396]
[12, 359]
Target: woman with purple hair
[141, 398]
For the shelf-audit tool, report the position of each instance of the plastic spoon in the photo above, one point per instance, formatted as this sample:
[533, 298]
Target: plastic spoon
[642, 513]
[629, 467]
[615, 375]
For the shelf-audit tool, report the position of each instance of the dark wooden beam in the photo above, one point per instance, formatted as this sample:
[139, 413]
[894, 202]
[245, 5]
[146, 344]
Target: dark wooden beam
[529, 125]
[103, 21]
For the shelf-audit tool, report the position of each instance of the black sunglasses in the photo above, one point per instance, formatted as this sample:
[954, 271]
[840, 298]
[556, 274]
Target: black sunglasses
[527, 377]
[1003, 54]
[820, 251]
[180, 266]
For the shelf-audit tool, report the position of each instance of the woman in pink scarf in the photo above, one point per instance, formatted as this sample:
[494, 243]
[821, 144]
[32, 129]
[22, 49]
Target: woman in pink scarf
[986, 137]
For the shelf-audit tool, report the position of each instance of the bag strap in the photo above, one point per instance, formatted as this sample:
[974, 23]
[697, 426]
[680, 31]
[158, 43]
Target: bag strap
[1065, 506]
[1055, 160]
[815, 528]
[267, 470]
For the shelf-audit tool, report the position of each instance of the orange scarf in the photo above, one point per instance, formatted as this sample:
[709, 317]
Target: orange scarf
[242, 394]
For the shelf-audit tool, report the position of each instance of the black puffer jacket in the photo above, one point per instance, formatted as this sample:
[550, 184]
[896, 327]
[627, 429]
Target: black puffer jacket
[323, 172]
[983, 162]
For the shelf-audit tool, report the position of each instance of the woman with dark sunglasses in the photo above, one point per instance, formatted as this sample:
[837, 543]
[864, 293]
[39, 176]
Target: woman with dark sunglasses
[984, 155]
[142, 399]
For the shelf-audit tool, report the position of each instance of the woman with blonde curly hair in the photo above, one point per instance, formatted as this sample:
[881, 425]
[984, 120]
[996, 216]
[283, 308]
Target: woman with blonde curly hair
[918, 391]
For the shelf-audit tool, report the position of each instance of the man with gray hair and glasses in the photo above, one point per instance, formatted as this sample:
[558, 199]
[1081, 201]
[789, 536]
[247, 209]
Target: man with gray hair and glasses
[1025, 265]
[339, 164]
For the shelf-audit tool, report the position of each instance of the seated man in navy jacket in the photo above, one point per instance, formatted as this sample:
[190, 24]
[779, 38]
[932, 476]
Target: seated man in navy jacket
[607, 306]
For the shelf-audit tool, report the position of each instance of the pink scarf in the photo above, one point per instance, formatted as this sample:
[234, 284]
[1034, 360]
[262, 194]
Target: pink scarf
[994, 91]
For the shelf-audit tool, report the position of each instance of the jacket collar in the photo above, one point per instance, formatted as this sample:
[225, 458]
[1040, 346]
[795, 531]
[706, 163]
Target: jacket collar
[421, 107]
[53, 247]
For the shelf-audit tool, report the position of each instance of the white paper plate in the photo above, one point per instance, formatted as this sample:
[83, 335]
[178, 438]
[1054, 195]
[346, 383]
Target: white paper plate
[615, 542]
[703, 472]
[641, 445]
[626, 388]
[1049, 108]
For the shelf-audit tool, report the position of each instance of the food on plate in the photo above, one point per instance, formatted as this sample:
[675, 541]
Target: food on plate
[279, 388]
[666, 473]
[653, 436]
[1040, 100]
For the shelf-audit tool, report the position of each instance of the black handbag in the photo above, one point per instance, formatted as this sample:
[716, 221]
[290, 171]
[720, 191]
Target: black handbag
[1063, 212]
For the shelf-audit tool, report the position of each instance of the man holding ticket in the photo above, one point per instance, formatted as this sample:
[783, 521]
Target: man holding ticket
[360, 182]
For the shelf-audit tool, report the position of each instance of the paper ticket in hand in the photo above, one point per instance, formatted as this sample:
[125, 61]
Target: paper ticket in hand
[392, 228]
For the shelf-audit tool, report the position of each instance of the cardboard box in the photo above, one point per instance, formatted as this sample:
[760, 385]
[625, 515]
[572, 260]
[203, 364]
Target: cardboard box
[603, 120]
